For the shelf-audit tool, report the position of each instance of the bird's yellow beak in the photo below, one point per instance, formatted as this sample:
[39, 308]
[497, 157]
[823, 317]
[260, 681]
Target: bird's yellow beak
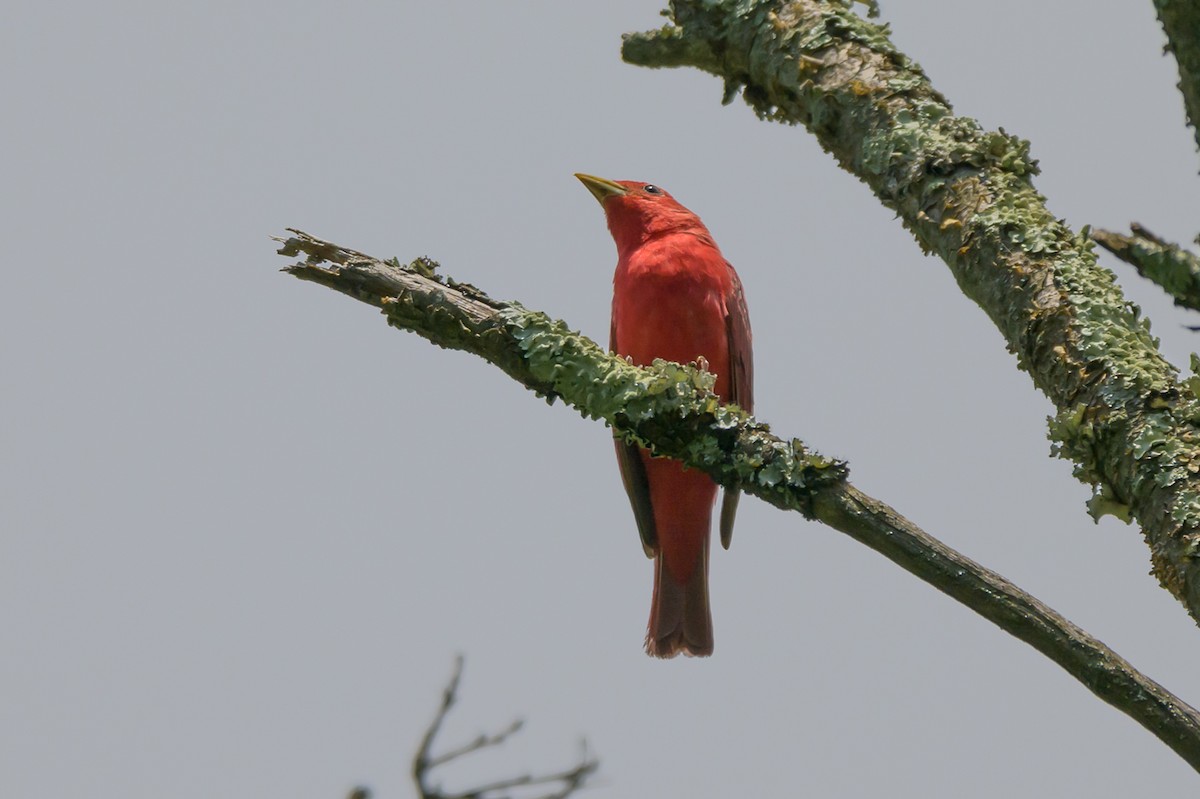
[602, 188]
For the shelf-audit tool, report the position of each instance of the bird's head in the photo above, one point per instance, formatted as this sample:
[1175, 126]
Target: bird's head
[638, 211]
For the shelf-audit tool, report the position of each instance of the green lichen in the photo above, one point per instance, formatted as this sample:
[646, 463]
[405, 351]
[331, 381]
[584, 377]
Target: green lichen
[1101, 505]
[671, 409]
[1173, 268]
[1181, 22]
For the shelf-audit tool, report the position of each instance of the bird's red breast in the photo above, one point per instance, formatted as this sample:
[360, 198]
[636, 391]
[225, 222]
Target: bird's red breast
[675, 297]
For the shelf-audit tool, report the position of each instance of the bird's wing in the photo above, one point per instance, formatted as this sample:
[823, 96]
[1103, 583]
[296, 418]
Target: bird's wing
[741, 382]
[637, 486]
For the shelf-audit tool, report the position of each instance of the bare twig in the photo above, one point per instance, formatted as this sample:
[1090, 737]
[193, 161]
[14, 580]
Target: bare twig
[480, 742]
[567, 781]
[671, 408]
[421, 762]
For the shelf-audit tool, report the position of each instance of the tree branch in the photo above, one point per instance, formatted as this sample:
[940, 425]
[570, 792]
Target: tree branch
[1181, 22]
[1173, 268]
[672, 409]
[966, 194]
[567, 781]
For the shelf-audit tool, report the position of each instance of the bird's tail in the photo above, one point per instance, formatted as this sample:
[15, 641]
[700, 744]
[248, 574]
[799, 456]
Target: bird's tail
[680, 620]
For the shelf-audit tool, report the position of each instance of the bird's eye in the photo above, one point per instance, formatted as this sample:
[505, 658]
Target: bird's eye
[650, 188]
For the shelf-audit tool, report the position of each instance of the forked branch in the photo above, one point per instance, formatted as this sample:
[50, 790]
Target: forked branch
[562, 783]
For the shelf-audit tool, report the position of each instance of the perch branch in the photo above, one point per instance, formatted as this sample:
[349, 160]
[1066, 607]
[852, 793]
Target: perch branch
[671, 408]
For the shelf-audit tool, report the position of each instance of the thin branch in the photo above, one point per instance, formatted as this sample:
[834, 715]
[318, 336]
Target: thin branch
[1125, 420]
[571, 779]
[1157, 260]
[481, 742]
[423, 758]
[672, 409]
[1181, 22]
[568, 780]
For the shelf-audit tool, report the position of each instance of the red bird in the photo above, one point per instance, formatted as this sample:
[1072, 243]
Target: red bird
[675, 297]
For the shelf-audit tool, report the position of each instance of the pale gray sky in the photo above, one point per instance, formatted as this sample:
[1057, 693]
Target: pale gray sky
[245, 526]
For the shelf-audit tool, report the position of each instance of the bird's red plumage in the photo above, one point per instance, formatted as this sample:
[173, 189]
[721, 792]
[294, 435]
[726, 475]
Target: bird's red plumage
[675, 297]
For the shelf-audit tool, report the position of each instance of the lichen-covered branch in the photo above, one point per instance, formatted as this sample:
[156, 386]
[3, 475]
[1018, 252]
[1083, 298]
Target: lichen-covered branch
[1181, 22]
[966, 194]
[1167, 264]
[672, 409]
[667, 406]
